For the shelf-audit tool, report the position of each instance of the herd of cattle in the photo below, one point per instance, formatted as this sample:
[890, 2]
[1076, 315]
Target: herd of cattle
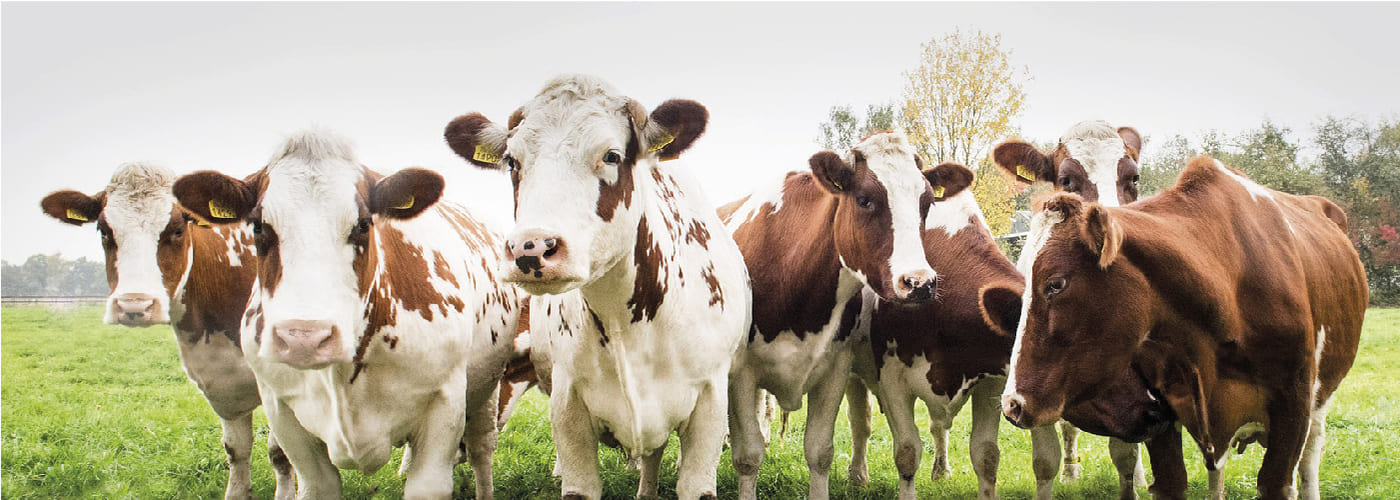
[365, 313]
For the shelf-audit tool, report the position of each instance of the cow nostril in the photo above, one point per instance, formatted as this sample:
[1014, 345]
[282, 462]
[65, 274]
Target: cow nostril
[134, 315]
[549, 243]
[529, 245]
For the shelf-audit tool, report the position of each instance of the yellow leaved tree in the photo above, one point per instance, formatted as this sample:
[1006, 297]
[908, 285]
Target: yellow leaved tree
[960, 101]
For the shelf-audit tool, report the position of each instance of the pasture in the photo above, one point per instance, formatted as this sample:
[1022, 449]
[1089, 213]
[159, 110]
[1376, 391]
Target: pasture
[91, 410]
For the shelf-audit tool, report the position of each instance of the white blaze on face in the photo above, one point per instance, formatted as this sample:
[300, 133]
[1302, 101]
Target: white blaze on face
[891, 158]
[1041, 224]
[310, 204]
[137, 211]
[1100, 157]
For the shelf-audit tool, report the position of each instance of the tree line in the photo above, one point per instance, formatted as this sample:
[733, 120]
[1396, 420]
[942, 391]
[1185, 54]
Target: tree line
[963, 96]
[53, 276]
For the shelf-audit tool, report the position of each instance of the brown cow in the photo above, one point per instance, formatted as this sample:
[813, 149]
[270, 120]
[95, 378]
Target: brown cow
[1235, 308]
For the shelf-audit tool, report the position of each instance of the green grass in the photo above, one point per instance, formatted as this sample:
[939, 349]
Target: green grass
[89, 410]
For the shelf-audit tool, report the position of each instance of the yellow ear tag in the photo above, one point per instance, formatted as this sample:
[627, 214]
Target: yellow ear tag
[406, 204]
[665, 140]
[201, 223]
[938, 191]
[485, 154]
[1025, 173]
[76, 215]
[221, 212]
[838, 185]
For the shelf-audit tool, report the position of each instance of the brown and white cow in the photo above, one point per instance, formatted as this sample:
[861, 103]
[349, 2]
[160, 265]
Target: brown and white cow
[630, 245]
[1099, 162]
[1231, 307]
[949, 352]
[376, 318]
[811, 243]
[165, 268]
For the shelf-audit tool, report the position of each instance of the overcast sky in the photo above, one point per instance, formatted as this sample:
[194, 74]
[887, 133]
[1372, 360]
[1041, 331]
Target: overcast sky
[86, 87]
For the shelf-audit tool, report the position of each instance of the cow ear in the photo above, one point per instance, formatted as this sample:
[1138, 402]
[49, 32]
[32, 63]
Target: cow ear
[216, 197]
[405, 194]
[477, 140]
[1180, 384]
[1102, 233]
[74, 207]
[948, 180]
[673, 126]
[1001, 309]
[833, 172]
[1024, 161]
[1067, 205]
[1132, 140]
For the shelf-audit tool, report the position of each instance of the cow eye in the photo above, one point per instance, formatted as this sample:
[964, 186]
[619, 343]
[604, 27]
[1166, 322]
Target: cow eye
[1135, 178]
[363, 226]
[257, 226]
[1054, 286]
[1065, 181]
[510, 163]
[864, 202]
[612, 157]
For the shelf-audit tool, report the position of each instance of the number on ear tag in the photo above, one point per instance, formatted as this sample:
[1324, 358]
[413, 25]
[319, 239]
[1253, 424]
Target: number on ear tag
[221, 212]
[405, 204]
[485, 154]
[666, 139]
[938, 191]
[76, 215]
[1025, 173]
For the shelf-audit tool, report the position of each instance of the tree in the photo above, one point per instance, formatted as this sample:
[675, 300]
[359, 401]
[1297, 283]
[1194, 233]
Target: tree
[843, 129]
[1159, 170]
[1360, 167]
[53, 276]
[958, 101]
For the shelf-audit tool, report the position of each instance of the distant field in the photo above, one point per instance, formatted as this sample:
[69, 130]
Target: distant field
[91, 410]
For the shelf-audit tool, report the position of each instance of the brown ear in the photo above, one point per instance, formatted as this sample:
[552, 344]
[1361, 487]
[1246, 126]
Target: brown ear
[405, 194]
[1001, 309]
[1180, 384]
[477, 140]
[673, 126]
[74, 207]
[1067, 204]
[1132, 140]
[834, 173]
[1023, 161]
[1103, 234]
[216, 197]
[948, 180]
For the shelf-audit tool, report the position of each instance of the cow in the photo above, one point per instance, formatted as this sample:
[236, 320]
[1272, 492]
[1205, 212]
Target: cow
[659, 292]
[811, 242]
[165, 267]
[1099, 162]
[1235, 310]
[949, 352]
[376, 319]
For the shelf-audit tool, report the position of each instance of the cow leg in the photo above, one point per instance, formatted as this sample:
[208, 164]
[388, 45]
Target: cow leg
[1070, 433]
[480, 437]
[281, 468]
[436, 444]
[858, 413]
[1125, 459]
[316, 476]
[765, 412]
[1168, 465]
[939, 430]
[1288, 429]
[1045, 460]
[823, 404]
[238, 449]
[908, 448]
[702, 442]
[746, 451]
[650, 467]
[1215, 478]
[575, 444]
[1312, 455]
[982, 446]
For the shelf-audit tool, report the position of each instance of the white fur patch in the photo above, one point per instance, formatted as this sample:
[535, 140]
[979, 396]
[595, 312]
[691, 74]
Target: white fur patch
[1041, 224]
[1098, 147]
[953, 214]
[137, 210]
[769, 194]
[1255, 190]
[890, 157]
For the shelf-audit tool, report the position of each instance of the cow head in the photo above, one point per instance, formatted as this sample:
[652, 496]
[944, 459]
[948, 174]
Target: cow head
[1093, 160]
[316, 214]
[575, 154]
[1085, 318]
[882, 199]
[143, 237]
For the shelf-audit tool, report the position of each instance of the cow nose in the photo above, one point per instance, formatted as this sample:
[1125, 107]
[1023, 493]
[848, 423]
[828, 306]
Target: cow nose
[306, 344]
[917, 286]
[1013, 407]
[533, 253]
[136, 309]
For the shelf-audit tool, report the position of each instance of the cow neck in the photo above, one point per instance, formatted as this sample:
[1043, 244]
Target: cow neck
[608, 297]
[798, 279]
[212, 293]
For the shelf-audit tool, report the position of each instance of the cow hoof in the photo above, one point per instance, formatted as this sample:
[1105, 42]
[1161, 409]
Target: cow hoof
[859, 476]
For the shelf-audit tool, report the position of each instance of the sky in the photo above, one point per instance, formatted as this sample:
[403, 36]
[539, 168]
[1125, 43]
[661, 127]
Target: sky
[85, 87]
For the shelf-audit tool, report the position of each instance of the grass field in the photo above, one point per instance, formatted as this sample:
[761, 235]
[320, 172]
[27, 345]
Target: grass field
[90, 410]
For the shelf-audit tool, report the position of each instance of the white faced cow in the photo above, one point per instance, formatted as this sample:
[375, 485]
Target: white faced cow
[164, 268]
[1099, 163]
[376, 319]
[635, 247]
[811, 245]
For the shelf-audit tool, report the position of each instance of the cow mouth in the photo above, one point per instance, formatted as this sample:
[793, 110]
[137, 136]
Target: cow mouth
[544, 284]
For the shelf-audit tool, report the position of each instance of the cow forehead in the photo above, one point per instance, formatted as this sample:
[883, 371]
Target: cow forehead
[891, 158]
[569, 125]
[327, 192]
[139, 198]
[1042, 225]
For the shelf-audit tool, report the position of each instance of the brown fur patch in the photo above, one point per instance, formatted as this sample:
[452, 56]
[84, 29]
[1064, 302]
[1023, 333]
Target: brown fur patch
[619, 193]
[650, 286]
